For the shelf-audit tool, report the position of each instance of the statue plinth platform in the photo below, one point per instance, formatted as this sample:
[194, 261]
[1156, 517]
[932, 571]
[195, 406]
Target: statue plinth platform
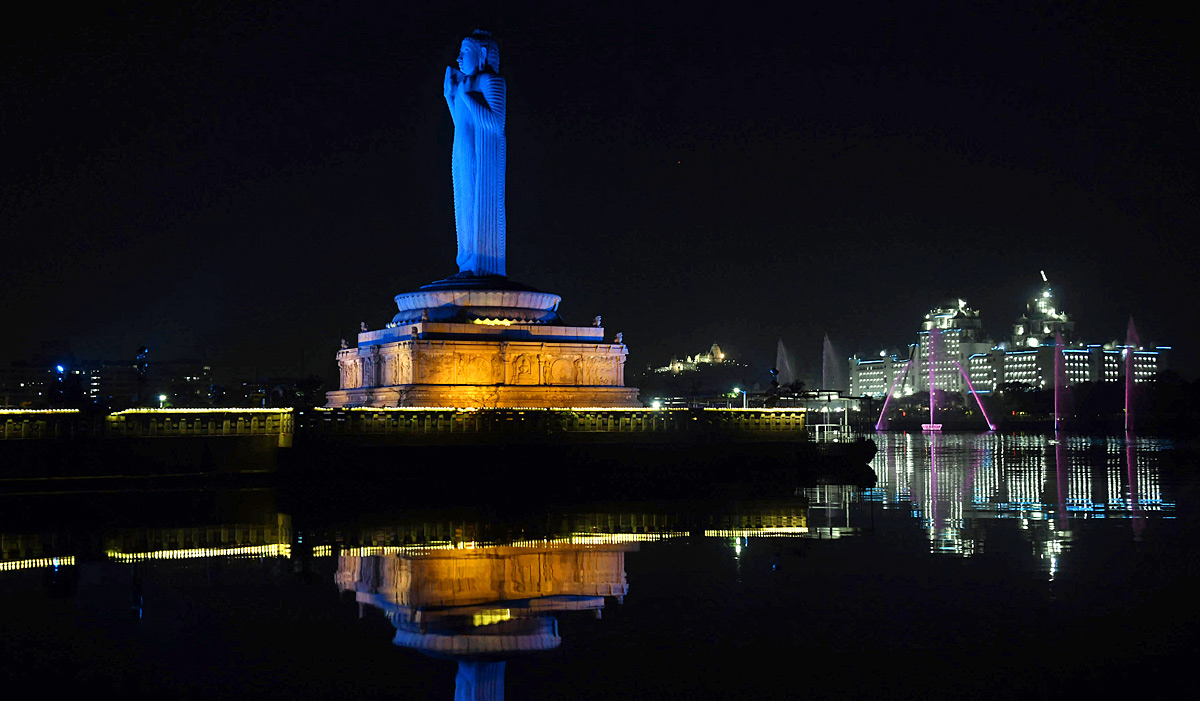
[485, 363]
[467, 298]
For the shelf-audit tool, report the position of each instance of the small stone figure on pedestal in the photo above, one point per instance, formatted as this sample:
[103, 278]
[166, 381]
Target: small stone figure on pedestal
[596, 320]
[344, 345]
[619, 338]
[362, 326]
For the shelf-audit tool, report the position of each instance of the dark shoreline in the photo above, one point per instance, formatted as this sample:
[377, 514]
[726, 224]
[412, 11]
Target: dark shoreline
[534, 469]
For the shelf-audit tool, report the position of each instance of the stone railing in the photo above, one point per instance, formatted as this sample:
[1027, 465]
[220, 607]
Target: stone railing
[419, 425]
[147, 423]
[422, 425]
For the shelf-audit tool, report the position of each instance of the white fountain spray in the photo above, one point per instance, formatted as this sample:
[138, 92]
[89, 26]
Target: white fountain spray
[831, 367]
[784, 366]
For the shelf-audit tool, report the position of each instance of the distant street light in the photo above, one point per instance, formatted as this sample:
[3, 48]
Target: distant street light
[745, 404]
[161, 399]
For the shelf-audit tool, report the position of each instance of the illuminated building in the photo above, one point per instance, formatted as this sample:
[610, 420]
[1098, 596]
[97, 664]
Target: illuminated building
[113, 383]
[706, 379]
[959, 334]
[1028, 357]
[956, 333]
[871, 377]
[123, 383]
[1025, 358]
[26, 385]
[1041, 322]
[714, 356]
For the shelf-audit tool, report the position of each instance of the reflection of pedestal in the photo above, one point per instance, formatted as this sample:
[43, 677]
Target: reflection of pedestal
[454, 344]
[481, 605]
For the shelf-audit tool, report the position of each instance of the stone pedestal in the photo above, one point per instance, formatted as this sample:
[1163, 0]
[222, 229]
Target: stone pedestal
[485, 363]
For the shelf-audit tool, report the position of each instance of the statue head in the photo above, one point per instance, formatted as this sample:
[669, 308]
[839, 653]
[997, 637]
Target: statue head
[479, 51]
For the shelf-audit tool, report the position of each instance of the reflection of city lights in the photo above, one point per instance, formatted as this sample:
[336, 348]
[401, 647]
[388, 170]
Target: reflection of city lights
[273, 550]
[1005, 477]
[212, 410]
[37, 562]
[765, 531]
[575, 539]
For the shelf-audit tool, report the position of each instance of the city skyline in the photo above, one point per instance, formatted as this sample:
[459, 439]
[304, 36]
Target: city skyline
[245, 185]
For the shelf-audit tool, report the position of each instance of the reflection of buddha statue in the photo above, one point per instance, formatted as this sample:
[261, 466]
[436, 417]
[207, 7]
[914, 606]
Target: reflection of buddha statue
[482, 605]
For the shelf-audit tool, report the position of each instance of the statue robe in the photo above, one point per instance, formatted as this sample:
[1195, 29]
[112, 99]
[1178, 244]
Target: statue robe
[477, 170]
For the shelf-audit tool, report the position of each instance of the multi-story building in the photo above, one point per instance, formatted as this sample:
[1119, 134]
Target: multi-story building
[956, 335]
[1041, 323]
[1026, 358]
[26, 385]
[1029, 357]
[872, 377]
[113, 383]
[948, 338]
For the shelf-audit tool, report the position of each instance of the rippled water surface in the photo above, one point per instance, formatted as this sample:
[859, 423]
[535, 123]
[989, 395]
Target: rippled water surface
[985, 566]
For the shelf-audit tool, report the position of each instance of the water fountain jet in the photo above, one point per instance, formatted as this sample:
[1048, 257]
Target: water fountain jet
[1131, 344]
[932, 426]
[1058, 379]
[881, 424]
[991, 426]
[783, 364]
[831, 373]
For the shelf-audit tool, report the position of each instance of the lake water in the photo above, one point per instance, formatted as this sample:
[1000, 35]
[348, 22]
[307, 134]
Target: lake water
[989, 566]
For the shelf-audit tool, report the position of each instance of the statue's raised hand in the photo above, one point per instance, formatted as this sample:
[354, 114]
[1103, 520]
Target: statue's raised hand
[453, 76]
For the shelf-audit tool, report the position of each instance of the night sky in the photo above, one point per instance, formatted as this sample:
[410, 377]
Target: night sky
[244, 183]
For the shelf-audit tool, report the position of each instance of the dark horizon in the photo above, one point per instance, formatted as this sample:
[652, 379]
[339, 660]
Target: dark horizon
[244, 184]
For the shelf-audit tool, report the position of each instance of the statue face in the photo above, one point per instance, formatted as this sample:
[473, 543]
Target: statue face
[470, 58]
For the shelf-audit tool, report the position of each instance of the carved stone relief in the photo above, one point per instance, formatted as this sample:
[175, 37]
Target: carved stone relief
[368, 372]
[524, 370]
[562, 372]
[442, 368]
[606, 371]
[404, 373]
[474, 370]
